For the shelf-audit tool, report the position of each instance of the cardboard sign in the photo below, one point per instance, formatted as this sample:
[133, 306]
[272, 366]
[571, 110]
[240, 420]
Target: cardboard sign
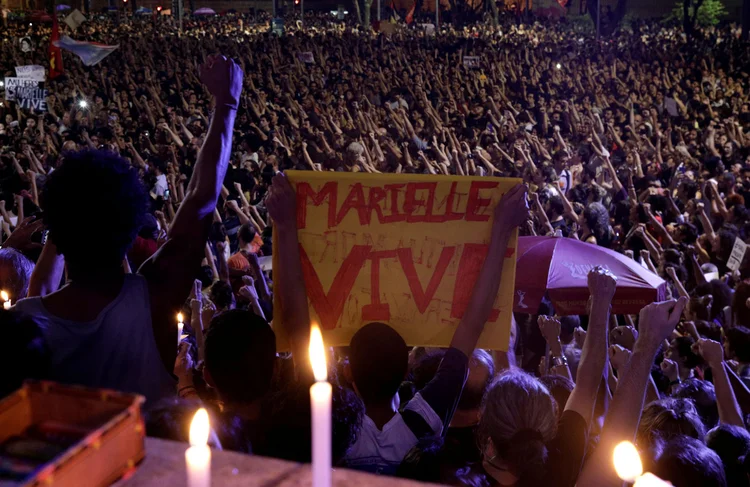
[75, 19]
[306, 57]
[34, 72]
[28, 93]
[737, 255]
[400, 249]
[428, 29]
[471, 62]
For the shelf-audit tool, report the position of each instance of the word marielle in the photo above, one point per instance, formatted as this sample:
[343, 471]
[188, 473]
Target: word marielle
[418, 204]
[381, 207]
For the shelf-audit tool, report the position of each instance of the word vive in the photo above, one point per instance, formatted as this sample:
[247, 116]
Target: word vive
[401, 249]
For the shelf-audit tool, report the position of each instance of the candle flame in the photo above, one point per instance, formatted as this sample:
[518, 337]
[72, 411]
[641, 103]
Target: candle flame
[180, 318]
[627, 462]
[199, 428]
[4, 295]
[318, 354]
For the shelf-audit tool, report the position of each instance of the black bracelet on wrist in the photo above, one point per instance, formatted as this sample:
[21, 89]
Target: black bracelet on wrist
[675, 382]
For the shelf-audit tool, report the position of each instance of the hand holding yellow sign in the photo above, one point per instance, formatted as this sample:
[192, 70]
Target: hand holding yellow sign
[400, 249]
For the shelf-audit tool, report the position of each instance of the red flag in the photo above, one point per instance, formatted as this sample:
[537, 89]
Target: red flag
[410, 15]
[55, 53]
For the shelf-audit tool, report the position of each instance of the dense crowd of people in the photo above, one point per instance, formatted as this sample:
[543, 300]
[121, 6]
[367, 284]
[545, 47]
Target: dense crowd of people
[154, 184]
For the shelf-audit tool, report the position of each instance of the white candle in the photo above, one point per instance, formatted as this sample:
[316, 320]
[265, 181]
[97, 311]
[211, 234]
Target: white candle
[6, 299]
[180, 326]
[650, 480]
[320, 397]
[198, 456]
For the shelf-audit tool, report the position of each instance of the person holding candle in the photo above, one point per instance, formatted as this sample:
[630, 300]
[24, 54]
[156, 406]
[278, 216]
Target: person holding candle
[656, 323]
[523, 443]
[106, 328]
[15, 273]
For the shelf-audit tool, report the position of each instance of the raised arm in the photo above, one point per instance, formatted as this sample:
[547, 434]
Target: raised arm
[550, 329]
[47, 273]
[288, 275]
[657, 321]
[170, 272]
[602, 285]
[713, 353]
[510, 212]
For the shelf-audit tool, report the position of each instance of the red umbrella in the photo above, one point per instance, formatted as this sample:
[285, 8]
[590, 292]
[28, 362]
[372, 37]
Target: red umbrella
[40, 16]
[558, 267]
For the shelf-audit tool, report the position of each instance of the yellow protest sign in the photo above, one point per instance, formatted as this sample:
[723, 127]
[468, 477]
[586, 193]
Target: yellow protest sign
[402, 249]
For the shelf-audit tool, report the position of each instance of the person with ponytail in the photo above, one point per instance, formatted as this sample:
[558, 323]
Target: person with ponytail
[519, 418]
[522, 441]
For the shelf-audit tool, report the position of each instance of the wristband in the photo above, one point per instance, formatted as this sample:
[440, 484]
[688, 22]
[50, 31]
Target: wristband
[675, 382]
[559, 361]
[186, 388]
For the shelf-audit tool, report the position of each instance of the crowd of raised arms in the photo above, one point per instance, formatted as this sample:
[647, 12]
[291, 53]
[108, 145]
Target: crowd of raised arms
[156, 179]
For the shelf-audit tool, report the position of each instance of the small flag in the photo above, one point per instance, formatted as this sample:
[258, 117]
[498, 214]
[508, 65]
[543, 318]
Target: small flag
[55, 54]
[410, 15]
[90, 53]
[395, 18]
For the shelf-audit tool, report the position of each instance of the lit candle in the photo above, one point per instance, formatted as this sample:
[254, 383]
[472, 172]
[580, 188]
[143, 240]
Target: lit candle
[180, 326]
[630, 469]
[6, 299]
[320, 397]
[198, 456]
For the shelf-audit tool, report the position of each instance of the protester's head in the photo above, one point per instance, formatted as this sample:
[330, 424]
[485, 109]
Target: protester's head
[555, 207]
[560, 387]
[720, 293]
[108, 190]
[687, 462]
[596, 219]
[433, 460]
[290, 430]
[740, 309]
[240, 356]
[686, 233]
[246, 234]
[702, 394]
[732, 444]
[737, 344]
[222, 296]
[149, 228]
[378, 362]
[667, 418]
[481, 372]
[15, 273]
[518, 418]
[170, 419]
[709, 329]
[681, 351]
[568, 325]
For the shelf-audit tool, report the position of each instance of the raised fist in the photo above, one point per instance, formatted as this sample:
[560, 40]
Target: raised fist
[223, 78]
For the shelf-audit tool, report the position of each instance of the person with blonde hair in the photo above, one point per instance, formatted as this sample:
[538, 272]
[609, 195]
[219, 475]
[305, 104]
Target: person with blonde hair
[522, 441]
[15, 273]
